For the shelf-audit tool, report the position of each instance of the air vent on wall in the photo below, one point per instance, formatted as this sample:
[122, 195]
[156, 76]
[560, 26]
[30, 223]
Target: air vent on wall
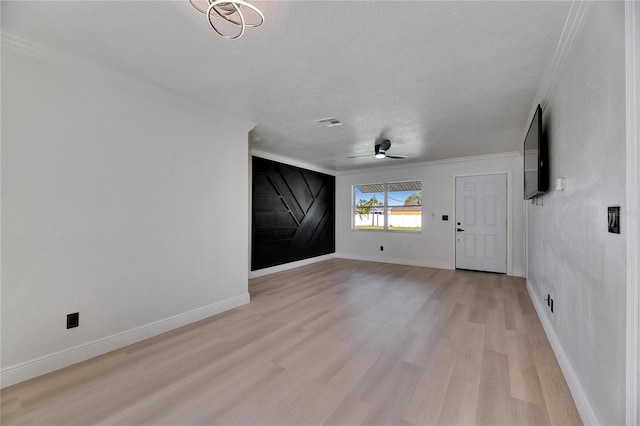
[330, 122]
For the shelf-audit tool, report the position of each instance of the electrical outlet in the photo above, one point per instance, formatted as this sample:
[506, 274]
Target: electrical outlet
[381, 248]
[73, 320]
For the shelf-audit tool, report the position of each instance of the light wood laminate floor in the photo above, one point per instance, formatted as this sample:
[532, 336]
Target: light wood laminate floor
[339, 342]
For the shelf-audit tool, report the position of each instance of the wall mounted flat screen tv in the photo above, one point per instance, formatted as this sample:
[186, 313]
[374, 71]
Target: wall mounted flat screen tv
[536, 159]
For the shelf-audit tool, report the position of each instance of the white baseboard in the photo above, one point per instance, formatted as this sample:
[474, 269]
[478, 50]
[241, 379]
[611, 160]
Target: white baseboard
[397, 261]
[55, 361]
[290, 265]
[517, 273]
[410, 262]
[582, 402]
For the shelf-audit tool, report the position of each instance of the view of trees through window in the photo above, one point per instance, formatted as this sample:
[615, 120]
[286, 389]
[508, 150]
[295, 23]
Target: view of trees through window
[392, 206]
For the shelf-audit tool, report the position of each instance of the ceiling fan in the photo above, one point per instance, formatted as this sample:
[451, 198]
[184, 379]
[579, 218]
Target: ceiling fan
[380, 151]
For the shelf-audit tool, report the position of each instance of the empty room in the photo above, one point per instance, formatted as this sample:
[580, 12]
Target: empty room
[320, 212]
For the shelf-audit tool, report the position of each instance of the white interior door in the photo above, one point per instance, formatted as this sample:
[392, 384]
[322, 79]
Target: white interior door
[481, 223]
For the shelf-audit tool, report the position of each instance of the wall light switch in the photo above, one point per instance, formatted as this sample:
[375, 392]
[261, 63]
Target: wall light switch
[73, 320]
[613, 218]
[560, 184]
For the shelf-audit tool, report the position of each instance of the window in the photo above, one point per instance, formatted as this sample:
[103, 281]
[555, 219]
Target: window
[369, 202]
[392, 206]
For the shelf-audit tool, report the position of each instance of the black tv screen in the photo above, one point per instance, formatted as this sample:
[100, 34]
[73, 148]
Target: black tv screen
[536, 169]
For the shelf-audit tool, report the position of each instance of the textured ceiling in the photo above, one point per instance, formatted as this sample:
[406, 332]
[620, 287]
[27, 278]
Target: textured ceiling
[440, 79]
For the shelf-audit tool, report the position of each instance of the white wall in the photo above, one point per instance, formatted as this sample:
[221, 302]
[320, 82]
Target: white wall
[434, 247]
[123, 205]
[570, 254]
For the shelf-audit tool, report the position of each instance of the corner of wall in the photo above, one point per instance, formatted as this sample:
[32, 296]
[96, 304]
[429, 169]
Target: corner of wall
[632, 54]
[290, 265]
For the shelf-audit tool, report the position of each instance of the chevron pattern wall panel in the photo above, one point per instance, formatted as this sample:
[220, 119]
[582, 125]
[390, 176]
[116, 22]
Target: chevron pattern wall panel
[293, 214]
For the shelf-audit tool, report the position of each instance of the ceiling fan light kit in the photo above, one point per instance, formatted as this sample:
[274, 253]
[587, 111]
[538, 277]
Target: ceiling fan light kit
[382, 148]
[230, 12]
[380, 151]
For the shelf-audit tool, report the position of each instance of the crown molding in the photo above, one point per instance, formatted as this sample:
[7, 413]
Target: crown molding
[502, 155]
[404, 165]
[118, 78]
[291, 162]
[23, 45]
[572, 25]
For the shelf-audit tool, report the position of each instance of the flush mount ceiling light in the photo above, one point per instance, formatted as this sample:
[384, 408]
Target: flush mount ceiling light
[232, 12]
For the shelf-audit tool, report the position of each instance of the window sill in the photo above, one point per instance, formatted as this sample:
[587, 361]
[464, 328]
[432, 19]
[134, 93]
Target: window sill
[393, 231]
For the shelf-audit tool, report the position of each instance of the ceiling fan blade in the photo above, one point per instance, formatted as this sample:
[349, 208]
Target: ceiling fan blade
[396, 156]
[385, 145]
[360, 156]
